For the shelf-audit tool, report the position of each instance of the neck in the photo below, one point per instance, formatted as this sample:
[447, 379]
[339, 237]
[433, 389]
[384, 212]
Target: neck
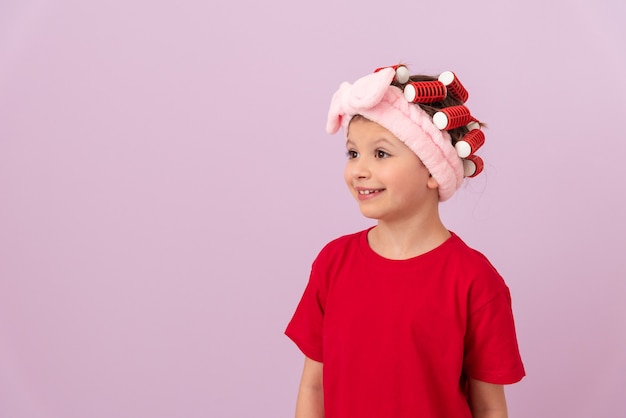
[400, 240]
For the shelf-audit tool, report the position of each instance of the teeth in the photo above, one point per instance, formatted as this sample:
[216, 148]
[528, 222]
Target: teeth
[367, 191]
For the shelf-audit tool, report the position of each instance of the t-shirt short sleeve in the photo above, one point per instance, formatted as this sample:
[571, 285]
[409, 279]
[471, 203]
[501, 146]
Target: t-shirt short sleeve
[306, 325]
[491, 353]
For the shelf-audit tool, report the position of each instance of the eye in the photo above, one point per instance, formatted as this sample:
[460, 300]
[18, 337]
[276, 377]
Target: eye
[381, 154]
[351, 154]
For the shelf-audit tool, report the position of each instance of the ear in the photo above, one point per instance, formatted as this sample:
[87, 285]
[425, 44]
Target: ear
[432, 183]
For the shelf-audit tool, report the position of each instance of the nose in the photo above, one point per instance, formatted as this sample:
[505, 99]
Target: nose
[359, 168]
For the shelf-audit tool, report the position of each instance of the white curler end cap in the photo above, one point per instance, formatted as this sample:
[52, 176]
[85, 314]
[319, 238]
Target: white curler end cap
[409, 92]
[402, 74]
[472, 125]
[440, 120]
[469, 168]
[446, 77]
[463, 149]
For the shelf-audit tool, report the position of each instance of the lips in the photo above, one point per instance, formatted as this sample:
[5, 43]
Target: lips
[369, 191]
[365, 194]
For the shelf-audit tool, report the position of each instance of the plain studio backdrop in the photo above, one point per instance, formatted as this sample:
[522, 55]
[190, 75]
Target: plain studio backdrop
[166, 181]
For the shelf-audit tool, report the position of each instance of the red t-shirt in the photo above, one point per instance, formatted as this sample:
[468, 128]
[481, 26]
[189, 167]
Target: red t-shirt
[399, 338]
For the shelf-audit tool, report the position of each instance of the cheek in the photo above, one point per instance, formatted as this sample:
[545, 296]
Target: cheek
[347, 176]
[408, 179]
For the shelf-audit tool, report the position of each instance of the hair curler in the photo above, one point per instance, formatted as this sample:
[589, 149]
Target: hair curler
[425, 91]
[452, 117]
[402, 72]
[470, 143]
[454, 86]
[472, 166]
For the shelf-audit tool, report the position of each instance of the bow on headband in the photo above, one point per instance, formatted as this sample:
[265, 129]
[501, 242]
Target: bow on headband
[352, 99]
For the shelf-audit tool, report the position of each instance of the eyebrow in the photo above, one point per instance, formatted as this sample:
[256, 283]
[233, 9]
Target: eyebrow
[377, 142]
[383, 141]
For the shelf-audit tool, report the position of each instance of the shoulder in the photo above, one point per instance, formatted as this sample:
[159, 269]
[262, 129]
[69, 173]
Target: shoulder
[480, 277]
[343, 243]
[469, 258]
[340, 251]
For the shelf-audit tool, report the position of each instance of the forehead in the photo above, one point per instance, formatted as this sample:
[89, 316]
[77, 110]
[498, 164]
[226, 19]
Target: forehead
[364, 130]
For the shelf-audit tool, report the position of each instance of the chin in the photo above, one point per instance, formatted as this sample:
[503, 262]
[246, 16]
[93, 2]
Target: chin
[371, 214]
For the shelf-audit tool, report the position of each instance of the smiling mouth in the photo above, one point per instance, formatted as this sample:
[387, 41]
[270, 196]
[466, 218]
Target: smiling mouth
[366, 192]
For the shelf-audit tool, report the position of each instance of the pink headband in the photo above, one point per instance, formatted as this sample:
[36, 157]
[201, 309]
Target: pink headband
[373, 97]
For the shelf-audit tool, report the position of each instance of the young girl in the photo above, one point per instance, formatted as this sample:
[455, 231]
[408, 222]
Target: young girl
[403, 319]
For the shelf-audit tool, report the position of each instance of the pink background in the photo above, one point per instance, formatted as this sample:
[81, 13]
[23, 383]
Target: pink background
[166, 181]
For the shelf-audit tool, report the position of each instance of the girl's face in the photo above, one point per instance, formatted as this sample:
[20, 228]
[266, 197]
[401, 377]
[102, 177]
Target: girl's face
[387, 179]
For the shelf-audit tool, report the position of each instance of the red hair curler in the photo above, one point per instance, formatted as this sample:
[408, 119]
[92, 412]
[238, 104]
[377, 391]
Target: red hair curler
[452, 117]
[472, 166]
[470, 143]
[402, 72]
[425, 91]
[454, 86]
